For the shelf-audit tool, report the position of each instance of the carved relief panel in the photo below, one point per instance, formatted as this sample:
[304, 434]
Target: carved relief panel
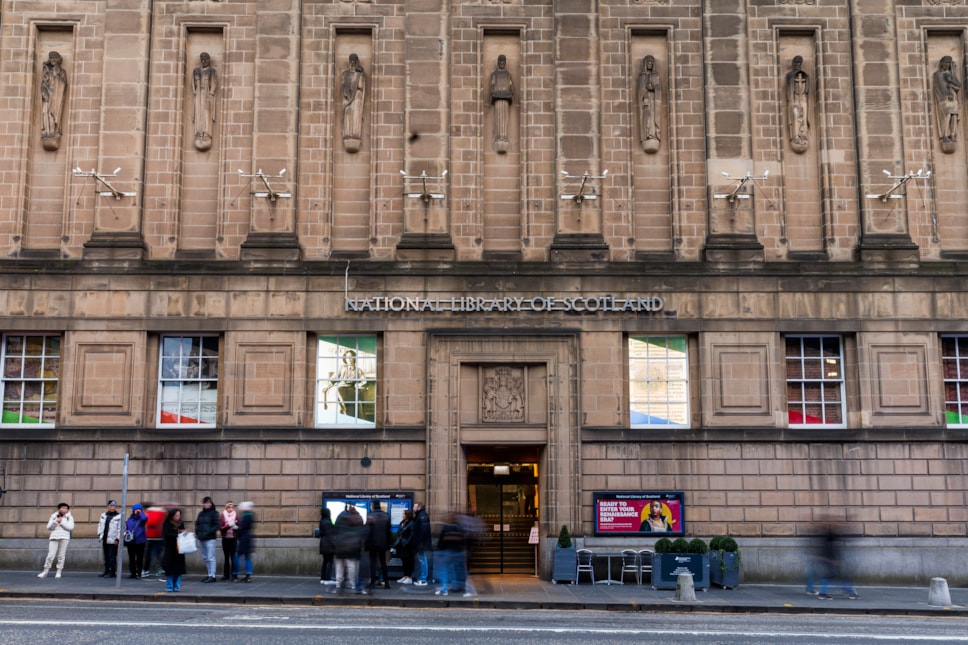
[503, 395]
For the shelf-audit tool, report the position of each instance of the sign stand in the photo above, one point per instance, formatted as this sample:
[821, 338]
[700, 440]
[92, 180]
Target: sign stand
[534, 539]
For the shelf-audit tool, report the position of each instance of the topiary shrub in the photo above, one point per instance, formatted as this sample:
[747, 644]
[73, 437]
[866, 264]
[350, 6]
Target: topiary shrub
[663, 545]
[681, 545]
[728, 545]
[564, 538]
[714, 544]
[698, 545]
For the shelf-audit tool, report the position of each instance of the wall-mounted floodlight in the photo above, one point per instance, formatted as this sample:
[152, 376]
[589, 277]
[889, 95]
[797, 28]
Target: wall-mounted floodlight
[269, 193]
[580, 195]
[740, 190]
[899, 181]
[101, 179]
[425, 193]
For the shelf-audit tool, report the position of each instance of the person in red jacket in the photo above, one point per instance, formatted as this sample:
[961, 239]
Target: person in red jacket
[155, 549]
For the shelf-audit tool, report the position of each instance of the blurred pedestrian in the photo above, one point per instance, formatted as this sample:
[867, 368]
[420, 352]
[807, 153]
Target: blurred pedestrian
[828, 564]
[450, 547]
[60, 525]
[245, 535]
[206, 530]
[155, 545]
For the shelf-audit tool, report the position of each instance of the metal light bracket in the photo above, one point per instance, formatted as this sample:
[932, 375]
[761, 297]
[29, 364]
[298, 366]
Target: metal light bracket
[425, 193]
[899, 181]
[740, 189]
[101, 180]
[268, 193]
[580, 195]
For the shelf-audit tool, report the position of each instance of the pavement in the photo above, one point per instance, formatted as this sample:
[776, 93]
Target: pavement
[493, 592]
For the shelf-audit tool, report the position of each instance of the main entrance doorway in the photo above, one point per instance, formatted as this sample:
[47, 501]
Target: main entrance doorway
[505, 497]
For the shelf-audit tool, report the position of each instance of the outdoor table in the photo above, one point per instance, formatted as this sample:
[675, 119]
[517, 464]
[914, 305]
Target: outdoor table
[608, 570]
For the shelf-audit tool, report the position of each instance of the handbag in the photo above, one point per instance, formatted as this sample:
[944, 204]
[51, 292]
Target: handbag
[187, 543]
[128, 536]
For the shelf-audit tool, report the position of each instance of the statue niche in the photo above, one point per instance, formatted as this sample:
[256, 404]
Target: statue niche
[503, 395]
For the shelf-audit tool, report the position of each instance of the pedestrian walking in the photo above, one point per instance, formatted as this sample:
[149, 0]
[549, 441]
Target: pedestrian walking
[155, 545]
[135, 538]
[450, 547]
[60, 525]
[206, 530]
[229, 524]
[246, 539]
[828, 563]
[378, 538]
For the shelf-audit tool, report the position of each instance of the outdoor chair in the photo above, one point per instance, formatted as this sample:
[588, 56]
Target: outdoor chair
[630, 564]
[585, 559]
[645, 564]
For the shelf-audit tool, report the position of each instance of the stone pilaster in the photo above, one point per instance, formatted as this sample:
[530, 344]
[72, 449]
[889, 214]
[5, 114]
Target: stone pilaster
[272, 223]
[117, 222]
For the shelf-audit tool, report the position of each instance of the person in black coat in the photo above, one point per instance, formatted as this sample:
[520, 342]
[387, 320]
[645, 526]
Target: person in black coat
[403, 546]
[347, 545]
[377, 542]
[245, 546]
[326, 547]
[173, 561]
[421, 543]
[206, 530]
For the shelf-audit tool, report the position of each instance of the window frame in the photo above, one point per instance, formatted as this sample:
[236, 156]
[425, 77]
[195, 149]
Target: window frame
[685, 381]
[959, 381]
[824, 379]
[206, 364]
[23, 381]
[366, 385]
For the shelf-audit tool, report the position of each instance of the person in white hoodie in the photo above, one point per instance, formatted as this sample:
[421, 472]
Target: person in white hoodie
[60, 525]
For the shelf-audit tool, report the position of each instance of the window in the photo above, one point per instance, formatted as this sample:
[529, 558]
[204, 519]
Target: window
[31, 367]
[188, 380]
[346, 381]
[815, 381]
[954, 363]
[658, 381]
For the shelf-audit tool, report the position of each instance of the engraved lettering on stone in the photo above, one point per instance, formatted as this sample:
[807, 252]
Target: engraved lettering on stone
[53, 92]
[650, 105]
[798, 100]
[796, 1]
[353, 89]
[946, 103]
[204, 88]
[502, 94]
[503, 395]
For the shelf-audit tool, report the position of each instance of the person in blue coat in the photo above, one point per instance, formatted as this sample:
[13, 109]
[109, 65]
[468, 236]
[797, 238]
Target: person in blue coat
[135, 539]
[245, 535]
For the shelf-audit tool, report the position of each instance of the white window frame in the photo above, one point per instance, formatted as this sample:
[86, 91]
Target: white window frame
[829, 372]
[46, 382]
[333, 368]
[649, 376]
[187, 374]
[959, 380]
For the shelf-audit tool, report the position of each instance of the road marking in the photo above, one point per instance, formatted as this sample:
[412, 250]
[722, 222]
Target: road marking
[948, 638]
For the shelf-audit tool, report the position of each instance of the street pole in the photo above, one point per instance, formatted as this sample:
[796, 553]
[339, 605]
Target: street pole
[124, 505]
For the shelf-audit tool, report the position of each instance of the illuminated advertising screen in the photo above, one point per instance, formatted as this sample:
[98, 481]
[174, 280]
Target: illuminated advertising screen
[393, 502]
[641, 514]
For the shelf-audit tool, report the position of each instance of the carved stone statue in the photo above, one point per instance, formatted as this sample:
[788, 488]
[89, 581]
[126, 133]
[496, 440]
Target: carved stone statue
[204, 87]
[946, 104]
[798, 103]
[502, 94]
[650, 105]
[503, 395]
[353, 88]
[53, 92]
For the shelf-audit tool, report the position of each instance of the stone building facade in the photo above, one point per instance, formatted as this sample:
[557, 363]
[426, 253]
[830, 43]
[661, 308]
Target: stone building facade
[710, 247]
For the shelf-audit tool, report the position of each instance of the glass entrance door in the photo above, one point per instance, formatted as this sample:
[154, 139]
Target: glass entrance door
[507, 504]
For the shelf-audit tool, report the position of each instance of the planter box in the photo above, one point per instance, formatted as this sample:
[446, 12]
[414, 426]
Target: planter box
[666, 568]
[565, 566]
[724, 569]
